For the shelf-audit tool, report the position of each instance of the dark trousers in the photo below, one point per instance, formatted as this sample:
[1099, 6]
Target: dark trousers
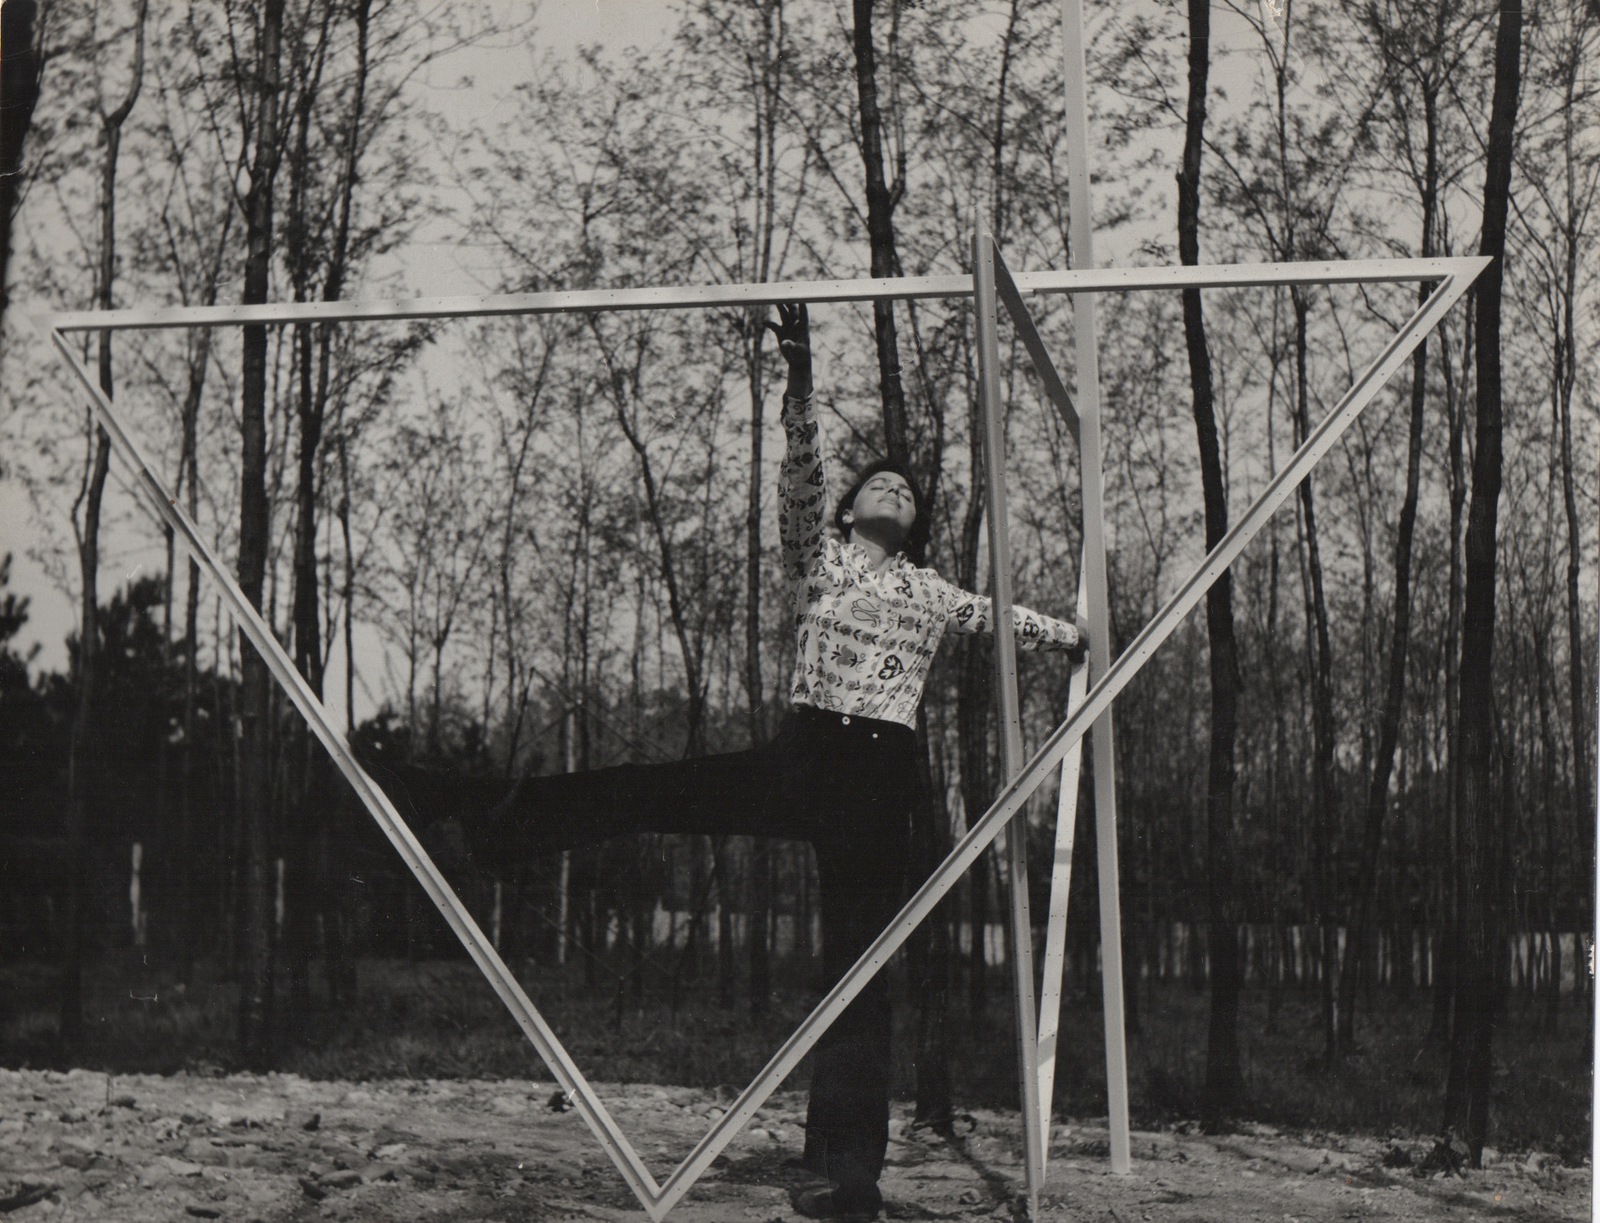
[845, 784]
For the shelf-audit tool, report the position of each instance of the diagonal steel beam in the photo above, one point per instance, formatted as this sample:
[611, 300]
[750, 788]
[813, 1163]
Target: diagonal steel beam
[371, 794]
[1097, 600]
[1050, 754]
[1055, 947]
[1055, 388]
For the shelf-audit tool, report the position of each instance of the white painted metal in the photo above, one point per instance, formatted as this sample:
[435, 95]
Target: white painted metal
[1457, 276]
[984, 261]
[1055, 388]
[1090, 280]
[283, 670]
[1049, 755]
[1053, 979]
[1080, 221]
[1055, 948]
[1188, 595]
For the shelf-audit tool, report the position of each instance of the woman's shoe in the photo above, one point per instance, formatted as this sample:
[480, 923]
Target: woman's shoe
[824, 1203]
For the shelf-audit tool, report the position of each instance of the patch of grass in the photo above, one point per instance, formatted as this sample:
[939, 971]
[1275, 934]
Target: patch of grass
[1393, 1084]
[440, 1019]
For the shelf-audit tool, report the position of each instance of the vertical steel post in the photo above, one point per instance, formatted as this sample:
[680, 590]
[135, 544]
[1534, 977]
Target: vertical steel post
[1055, 943]
[1005, 660]
[1055, 927]
[1081, 231]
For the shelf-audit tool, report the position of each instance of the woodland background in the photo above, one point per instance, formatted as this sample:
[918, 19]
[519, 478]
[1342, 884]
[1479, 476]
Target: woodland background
[1356, 797]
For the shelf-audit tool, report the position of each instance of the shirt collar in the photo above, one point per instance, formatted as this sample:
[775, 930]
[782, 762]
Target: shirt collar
[858, 556]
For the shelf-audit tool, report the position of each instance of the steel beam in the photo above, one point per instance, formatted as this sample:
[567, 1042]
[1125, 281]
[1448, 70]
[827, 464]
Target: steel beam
[372, 796]
[1053, 977]
[1049, 755]
[1456, 275]
[1055, 388]
[984, 263]
[1055, 947]
[692, 297]
[1080, 221]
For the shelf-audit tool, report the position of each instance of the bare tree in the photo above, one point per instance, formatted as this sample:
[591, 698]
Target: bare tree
[22, 63]
[192, 243]
[1479, 982]
[1559, 162]
[261, 94]
[930, 826]
[91, 493]
[1224, 1083]
[1419, 52]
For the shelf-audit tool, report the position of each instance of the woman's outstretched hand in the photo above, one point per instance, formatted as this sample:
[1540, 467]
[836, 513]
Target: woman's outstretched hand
[793, 330]
[1080, 648]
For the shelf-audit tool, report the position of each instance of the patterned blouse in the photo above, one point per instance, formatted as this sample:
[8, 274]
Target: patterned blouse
[866, 637]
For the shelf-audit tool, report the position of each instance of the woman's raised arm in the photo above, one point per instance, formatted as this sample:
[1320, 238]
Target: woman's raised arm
[802, 484]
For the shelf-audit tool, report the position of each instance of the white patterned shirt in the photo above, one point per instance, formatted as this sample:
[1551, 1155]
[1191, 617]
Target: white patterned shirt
[864, 637]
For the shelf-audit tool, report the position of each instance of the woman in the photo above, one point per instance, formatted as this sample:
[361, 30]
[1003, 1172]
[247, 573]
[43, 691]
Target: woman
[841, 773]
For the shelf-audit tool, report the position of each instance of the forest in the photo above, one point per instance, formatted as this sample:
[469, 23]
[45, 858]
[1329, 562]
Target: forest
[1357, 791]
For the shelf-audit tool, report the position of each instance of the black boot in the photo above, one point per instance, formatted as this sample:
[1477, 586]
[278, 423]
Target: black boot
[855, 1204]
[852, 1164]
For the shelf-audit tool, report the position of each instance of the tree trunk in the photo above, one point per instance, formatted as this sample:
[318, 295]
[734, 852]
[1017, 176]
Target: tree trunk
[81, 745]
[307, 785]
[929, 949]
[1324, 795]
[21, 70]
[721, 866]
[308, 781]
[191, 920]
[1377, 805]
[1577, 209]
[767, 89]
[256, 1036]
[882, 196]
[1480, 971]
[1450, 900]
[760, 910]
[341, 961]
[1224, 1084]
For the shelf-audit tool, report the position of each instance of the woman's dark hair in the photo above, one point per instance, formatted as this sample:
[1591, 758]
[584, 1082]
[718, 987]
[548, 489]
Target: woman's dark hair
[916, 545]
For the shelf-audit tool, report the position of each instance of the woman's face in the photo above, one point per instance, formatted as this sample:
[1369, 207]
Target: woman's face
[886, 499]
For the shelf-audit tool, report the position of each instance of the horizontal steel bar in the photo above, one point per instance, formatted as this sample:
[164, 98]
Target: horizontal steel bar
[1089, 280]
[394, 827]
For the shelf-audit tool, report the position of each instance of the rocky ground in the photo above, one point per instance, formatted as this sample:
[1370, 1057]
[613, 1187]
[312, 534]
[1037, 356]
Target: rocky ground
[274, 1148]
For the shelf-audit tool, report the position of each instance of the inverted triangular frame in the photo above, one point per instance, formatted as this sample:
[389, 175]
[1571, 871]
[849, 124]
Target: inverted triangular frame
[1453, 276]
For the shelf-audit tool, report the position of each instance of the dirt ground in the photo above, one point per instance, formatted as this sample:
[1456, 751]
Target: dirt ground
[274, 1148]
